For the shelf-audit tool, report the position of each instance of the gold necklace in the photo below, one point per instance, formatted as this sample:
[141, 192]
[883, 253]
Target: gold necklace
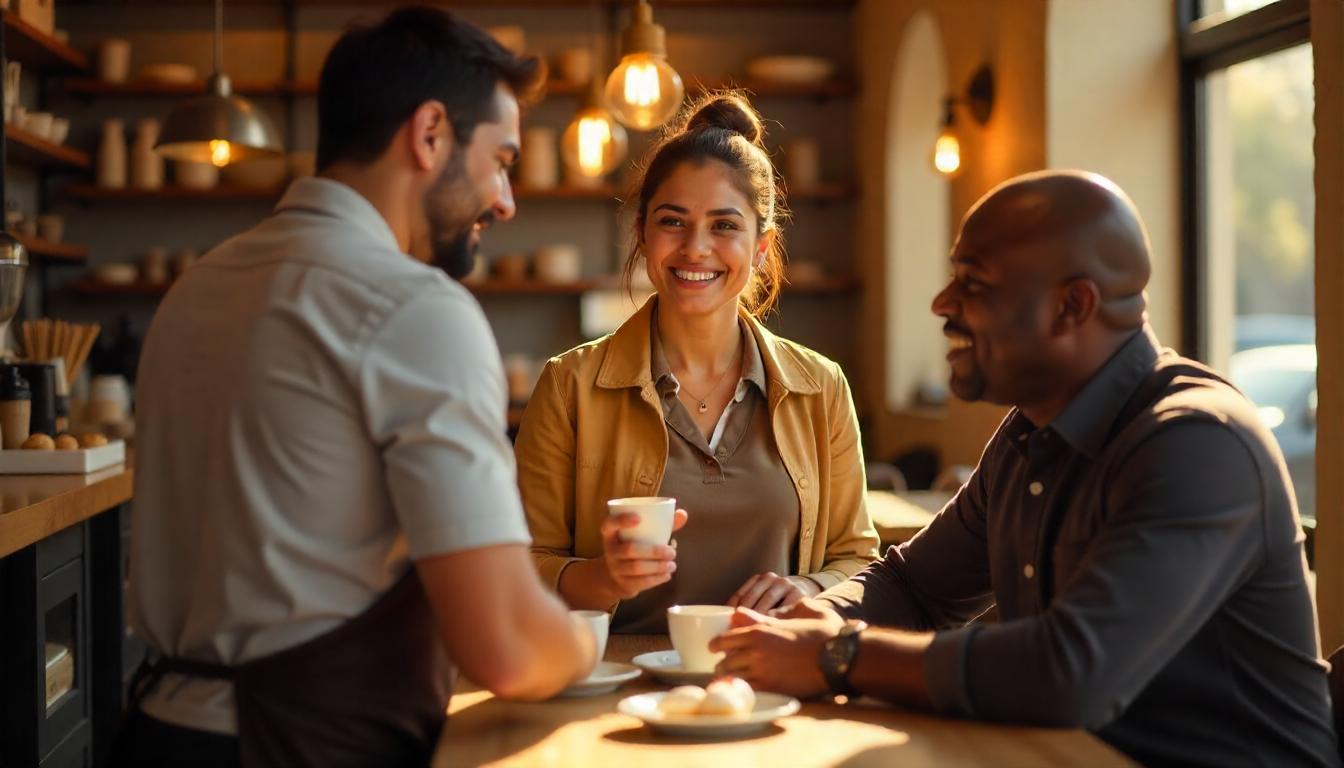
[702, 405]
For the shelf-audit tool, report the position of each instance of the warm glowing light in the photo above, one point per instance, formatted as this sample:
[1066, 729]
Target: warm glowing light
[220, 153]
[594, 135]
[644, 91]
[641, 84]
[594, 143]
[947, 153]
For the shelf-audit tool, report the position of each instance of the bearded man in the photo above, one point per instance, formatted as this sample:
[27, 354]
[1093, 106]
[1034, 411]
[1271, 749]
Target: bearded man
[325, 500]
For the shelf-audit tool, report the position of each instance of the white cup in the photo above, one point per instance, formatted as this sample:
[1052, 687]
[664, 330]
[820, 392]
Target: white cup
[597, 622]
[692, 627]
[655, 517]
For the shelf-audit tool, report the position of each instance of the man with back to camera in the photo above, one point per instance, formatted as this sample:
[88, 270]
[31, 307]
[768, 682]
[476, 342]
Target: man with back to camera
[318, 411]
[1131, 518]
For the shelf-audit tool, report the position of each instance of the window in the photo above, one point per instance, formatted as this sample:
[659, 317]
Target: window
[1250, 213]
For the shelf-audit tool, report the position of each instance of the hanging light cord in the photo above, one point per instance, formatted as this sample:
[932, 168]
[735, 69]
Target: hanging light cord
[219, 36]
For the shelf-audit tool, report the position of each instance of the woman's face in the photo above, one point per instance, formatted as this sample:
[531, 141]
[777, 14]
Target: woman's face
[700, 241]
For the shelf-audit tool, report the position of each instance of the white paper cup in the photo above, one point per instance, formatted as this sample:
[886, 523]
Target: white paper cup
[691, 628]
[597, 622]
[655, 517]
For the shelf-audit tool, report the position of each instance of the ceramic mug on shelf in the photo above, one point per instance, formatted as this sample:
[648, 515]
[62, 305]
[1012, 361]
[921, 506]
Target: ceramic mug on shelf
[13, 81]
[539, 167]
[51, 227]
[114, 60]
[559, 263]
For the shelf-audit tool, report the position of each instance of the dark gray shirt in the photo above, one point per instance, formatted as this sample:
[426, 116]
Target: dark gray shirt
[1146, 559]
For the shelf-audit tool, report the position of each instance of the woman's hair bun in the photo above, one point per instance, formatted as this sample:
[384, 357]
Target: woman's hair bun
[730, 111]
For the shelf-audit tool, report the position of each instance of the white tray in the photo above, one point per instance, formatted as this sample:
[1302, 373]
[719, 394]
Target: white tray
[80, 462]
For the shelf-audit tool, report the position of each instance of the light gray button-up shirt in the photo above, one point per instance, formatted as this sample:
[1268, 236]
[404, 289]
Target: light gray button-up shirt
[1145, 555]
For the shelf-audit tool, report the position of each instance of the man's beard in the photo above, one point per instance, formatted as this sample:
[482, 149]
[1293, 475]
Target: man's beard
[452, 210]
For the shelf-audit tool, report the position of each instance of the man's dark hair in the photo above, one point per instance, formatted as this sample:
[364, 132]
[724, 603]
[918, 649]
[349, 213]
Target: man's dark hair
[376, 76]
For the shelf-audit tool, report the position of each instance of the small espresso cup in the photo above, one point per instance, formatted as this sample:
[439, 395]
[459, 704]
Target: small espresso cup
[691, 628]
[655, 517]
[598, 623]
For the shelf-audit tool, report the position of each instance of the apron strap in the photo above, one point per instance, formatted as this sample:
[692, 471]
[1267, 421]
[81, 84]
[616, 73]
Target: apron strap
[150, 672]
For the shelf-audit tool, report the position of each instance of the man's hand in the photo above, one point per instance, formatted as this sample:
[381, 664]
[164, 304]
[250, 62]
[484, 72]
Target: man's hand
[779, 654]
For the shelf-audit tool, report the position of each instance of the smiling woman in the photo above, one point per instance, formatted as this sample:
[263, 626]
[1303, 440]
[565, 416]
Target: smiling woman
[692, 398]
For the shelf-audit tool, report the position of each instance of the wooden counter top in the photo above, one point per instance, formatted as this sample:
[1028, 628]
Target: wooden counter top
[33, 507]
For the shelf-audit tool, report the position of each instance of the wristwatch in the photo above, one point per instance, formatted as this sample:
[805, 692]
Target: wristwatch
[837, 658]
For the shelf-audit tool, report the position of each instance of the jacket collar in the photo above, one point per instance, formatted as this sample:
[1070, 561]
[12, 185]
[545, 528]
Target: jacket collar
[628, 362]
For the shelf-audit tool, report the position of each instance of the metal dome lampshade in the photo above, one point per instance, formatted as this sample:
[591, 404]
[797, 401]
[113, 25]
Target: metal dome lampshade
[218, 127]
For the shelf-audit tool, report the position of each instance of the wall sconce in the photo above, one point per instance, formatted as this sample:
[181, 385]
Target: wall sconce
[644, 91]
[979, 102]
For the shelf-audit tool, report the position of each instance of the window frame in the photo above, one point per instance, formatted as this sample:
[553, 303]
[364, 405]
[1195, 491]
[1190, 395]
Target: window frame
[1207, 45]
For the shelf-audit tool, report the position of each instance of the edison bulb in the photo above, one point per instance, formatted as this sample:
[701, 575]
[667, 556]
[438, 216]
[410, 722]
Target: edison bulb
[220, 153]
[594, 144]
[644, 91]
[947, 153]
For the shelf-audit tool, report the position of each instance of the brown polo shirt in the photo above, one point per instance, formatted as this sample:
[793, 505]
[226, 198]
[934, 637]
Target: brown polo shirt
[742, 504]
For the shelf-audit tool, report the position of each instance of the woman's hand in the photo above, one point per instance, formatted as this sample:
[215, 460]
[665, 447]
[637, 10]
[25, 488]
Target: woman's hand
[766, 591]
[633, 567]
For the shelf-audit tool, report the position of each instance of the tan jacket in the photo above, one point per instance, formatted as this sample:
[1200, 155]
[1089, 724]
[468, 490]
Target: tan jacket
[594, 430]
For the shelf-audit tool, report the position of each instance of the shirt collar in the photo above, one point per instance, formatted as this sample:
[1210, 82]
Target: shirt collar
[328, 197]
[753, 370]
[1086, 422]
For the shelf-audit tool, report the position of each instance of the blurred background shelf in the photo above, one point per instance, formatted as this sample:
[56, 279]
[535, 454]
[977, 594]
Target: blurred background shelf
[28, 149]
[38, 50]
[93, 192]
[45, 249]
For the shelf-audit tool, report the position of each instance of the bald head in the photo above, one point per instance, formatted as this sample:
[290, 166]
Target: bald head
[1063, 225]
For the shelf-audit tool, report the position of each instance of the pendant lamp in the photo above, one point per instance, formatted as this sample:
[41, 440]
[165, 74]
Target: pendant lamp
[594, 144]
[218, 127]
[644, 91]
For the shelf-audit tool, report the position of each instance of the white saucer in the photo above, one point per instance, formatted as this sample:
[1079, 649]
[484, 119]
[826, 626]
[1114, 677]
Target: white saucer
[666, 667]
[769, 708]
[606, 677]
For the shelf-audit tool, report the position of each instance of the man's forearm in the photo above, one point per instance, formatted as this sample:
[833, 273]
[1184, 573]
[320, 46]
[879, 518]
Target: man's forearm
[587, 585]
[890, 666]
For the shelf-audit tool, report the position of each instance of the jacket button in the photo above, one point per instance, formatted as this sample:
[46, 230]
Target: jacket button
[802, 482]
[645, 480]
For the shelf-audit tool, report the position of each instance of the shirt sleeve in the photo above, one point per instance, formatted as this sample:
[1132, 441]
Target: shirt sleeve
[435, 403]
[852, 541]
[1183, 532]
[938, 579]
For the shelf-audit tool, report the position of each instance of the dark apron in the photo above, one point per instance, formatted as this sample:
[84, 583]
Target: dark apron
[373, 691]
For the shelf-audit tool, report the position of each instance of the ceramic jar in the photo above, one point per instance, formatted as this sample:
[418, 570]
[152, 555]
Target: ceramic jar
[112, 155]
[540, 164]
[146, 164]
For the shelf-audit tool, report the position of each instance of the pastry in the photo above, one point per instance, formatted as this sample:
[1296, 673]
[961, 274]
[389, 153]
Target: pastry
[92, 440]
[737, 688]
[66, 443]
[39, 442]
[682, 700]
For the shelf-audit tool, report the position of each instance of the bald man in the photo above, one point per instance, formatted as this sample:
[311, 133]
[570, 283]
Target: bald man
[1131, 519]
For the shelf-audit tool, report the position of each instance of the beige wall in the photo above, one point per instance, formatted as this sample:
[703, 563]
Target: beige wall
[1111, 80]
[1011, 38]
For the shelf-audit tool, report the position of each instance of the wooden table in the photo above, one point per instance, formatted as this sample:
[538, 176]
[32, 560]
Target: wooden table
[588, 732]
[899, 516]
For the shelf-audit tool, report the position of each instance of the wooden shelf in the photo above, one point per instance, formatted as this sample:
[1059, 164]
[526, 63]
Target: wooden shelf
[27, 148]
[93, 192]
[538, 288]
[829, 89]
[604, 193]
[88, 86]
[823, 193]
[37, 50]
[836, 5]
[91, 287]
[45, 249]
